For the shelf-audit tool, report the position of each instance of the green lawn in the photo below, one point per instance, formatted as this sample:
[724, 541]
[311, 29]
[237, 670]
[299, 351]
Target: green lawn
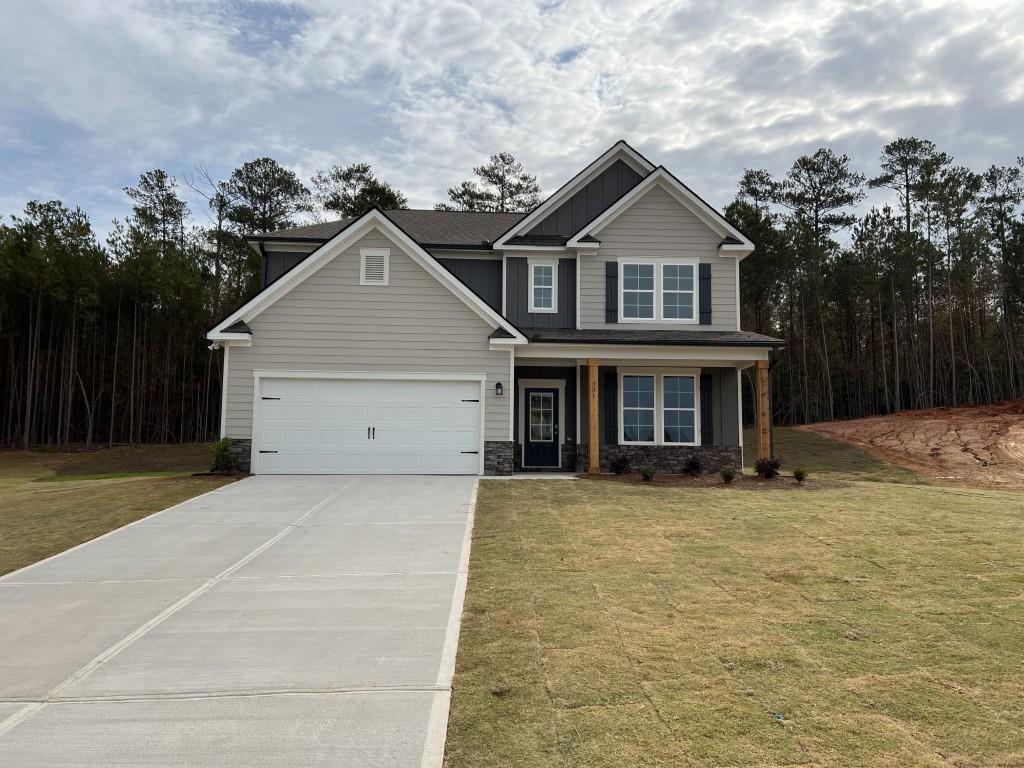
[872, 624]
[97, 492]
[824, 457]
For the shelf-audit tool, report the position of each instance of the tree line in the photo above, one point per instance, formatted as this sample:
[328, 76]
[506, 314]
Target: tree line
[904, 306]
[909, 305]
[105, 342]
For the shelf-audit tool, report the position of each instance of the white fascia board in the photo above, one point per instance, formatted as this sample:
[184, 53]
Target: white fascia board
[234, 339]
[728, 356]
[621, 150]
[740, 251]
[552, 248]
[341, 241]
[681, 193]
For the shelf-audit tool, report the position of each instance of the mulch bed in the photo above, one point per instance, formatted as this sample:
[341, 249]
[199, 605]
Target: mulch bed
[741, 482]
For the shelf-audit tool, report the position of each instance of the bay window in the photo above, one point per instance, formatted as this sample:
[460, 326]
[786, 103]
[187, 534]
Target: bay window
[659, 409]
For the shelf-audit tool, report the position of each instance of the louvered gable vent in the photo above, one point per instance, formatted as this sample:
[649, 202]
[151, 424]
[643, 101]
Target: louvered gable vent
[373, 266]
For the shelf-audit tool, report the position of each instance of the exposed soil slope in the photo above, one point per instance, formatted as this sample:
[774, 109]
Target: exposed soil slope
[977, 445]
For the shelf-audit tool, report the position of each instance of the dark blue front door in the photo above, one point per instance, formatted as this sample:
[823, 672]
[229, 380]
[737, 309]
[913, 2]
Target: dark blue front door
[540, 443]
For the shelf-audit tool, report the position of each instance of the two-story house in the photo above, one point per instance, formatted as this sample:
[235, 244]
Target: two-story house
[604, 323]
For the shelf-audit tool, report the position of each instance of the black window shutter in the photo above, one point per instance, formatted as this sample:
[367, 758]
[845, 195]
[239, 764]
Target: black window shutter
[704, 298]
[611, 292]
[707, 418]
[610, 394]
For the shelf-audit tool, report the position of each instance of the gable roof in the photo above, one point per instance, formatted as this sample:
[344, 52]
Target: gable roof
[227, 329]
[619, 151]
[428, 228]
[734, 242]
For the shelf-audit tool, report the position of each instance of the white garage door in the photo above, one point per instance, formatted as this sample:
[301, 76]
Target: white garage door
[330, 426]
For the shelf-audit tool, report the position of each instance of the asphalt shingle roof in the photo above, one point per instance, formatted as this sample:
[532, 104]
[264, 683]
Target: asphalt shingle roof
[426, 227]
[650, 336]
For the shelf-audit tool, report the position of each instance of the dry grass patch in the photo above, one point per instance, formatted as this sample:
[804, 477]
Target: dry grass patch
[98, 491]
[873, 624]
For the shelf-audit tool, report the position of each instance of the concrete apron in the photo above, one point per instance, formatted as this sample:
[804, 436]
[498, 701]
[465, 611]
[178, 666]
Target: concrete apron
[307, 621]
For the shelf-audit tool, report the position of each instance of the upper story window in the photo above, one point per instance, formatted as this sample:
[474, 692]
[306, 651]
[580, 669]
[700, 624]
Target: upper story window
[374, 266]
[658, 290]
[543, 285]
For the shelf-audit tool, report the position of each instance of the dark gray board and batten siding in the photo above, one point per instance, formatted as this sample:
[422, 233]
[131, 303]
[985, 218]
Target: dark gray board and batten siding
[517, 298]
[589, 202]
[481, 276]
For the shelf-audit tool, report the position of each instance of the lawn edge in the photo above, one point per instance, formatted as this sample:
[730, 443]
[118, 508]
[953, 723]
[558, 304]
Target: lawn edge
[7, 576]
[437, 723]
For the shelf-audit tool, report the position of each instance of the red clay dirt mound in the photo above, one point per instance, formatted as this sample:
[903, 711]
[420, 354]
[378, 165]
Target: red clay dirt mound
[978, 445]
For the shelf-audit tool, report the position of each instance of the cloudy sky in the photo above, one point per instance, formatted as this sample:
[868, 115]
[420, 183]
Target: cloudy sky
[95, 92]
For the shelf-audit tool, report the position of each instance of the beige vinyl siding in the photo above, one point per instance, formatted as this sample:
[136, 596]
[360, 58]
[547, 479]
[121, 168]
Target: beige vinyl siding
[658, 225]
[330, 322]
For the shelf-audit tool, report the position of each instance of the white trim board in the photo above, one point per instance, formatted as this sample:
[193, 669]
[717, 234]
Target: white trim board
[334, 247]
[686, 197]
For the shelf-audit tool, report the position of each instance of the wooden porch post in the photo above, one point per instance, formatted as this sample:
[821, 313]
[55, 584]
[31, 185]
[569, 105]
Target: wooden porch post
[764, 439]
[593, 431]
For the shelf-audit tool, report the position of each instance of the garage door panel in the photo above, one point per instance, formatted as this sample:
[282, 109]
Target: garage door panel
[416, 426]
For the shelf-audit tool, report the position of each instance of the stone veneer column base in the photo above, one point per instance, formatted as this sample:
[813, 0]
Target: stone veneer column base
[498, 455]
[667, 459]
[242, 448]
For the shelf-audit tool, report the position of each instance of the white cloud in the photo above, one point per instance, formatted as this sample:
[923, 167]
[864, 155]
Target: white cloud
[425, 90]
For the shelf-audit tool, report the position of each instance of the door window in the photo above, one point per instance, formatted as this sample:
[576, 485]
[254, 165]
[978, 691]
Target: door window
[542, 417]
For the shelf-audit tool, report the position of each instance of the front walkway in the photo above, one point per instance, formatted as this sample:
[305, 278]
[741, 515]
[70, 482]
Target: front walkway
[299, 621]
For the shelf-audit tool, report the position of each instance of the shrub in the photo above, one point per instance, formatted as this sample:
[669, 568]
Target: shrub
[647, 473]
[727, 474]
[692, 466]
[800, 474]
[620, 465]
[224, 457]
[767, 469]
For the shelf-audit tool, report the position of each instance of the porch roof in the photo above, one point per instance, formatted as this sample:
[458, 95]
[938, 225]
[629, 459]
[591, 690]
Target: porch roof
[662, 337]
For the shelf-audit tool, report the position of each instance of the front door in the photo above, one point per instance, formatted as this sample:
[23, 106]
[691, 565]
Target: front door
[540, 447]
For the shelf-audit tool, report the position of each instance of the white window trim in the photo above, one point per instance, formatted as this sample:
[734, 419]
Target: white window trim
[659, 403]
[363, 253]
[553, 263]
[659, 265]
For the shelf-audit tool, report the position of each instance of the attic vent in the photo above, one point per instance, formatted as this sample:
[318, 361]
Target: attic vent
[373, 266]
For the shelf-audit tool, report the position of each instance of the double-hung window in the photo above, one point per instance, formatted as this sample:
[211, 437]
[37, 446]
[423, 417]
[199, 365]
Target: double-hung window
[659, 409]
[637, 408]
[679, 409]
[543, 286]
[658, 290]
[638, 291]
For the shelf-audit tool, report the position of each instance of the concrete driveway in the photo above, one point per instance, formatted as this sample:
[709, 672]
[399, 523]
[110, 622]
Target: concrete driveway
[302, 621]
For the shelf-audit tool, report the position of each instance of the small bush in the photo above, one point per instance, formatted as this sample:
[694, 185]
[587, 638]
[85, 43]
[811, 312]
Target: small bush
[692, 466]
[800, 474]
[647, 473]
[620, 465]
[224, 458]
[727, 474]
[768, 469]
